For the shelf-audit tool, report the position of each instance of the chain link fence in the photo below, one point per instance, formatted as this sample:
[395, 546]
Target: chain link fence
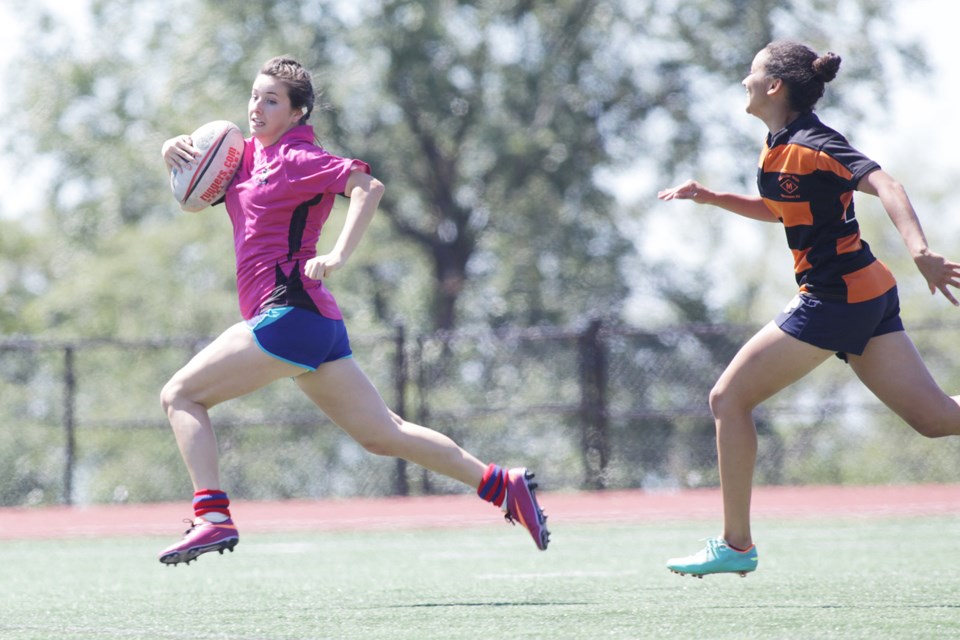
[593, 408]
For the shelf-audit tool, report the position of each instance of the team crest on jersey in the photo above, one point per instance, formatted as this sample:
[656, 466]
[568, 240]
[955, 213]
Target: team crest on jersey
[789, 184]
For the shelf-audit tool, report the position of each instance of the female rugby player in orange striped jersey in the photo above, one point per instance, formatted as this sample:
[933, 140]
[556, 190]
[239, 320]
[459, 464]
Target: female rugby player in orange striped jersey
[847, 302]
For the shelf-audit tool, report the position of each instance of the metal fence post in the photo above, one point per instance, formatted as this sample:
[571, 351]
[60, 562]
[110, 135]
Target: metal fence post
[595, 443]
[400, 485]
[69, 422]
[422, 415]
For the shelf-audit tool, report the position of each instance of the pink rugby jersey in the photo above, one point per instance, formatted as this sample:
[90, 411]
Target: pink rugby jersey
[278, 202]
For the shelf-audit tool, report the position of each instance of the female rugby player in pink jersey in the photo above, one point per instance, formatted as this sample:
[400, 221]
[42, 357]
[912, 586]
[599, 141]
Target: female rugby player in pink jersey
[278, 201]
[847, 302]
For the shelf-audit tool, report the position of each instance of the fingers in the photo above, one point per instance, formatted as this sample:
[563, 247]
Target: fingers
[184, 151]
[315, 270]
[320, 267]
[948, 295]
[948, 280]
[944, 288]
[943, 282]
[941, 274]
[689, 190]
[669, 194]
[179, 152]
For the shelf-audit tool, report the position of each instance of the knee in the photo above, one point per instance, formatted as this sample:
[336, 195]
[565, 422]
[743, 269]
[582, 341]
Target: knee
[933, 418]
[384, 441]
[381, 445]
[167, 396]
[727, 405]
[722, 402]
[377, 447]
[715, 401]
[929, 428]
[170, 395]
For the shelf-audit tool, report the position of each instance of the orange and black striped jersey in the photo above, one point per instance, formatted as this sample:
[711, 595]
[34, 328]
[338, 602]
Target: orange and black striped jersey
[807, 175]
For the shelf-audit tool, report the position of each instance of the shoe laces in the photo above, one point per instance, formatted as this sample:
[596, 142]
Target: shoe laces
[507, 513]
[193, 525]
[505, 507]
[713, 548]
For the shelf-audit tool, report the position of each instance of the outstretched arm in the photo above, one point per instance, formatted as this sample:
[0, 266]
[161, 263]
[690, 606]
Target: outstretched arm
[939, 272]
[365, 193]
[747, 206]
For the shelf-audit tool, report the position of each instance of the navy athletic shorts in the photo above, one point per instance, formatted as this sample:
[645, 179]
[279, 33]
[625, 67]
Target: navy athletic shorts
[301, 337]
[843, 327]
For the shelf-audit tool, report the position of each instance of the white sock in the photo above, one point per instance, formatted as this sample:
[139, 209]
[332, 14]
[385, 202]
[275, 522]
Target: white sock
[215, 517]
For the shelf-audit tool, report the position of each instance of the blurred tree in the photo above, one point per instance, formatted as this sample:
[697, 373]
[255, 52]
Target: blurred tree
[703, 49]
[23, 273]
[496, 125]
[489, 121]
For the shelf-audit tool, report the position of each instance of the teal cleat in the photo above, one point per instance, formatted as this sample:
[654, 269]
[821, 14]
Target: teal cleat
[717, 557]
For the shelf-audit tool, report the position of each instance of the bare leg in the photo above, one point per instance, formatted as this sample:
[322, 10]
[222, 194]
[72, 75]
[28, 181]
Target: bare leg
[347, 396]
[770, 361]
[229, 367]
[892, 369]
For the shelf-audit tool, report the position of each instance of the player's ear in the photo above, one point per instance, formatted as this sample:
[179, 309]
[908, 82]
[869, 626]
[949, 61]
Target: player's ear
[776, 85]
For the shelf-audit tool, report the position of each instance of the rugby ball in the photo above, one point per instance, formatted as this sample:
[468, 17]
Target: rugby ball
[204, 181]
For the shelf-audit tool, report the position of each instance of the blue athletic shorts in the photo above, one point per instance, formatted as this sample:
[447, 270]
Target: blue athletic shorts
[843, 327]
[300, 337]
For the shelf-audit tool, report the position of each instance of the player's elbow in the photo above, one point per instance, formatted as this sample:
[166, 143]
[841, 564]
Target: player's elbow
[376, 188]
[881, 184]
[366, 188]
[373, 193]
[900, 190]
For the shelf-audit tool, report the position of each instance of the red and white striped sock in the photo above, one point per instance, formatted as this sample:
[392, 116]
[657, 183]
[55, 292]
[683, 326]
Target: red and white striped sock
[212, 505]
[493, 487]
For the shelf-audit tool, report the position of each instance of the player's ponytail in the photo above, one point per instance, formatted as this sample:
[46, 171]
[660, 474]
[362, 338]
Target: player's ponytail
[826, 66]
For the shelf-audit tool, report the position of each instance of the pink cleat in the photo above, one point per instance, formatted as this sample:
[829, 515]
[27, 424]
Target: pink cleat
[521, 506]
[203, 536]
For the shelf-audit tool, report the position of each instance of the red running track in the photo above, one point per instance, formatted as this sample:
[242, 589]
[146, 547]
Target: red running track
[468, 511]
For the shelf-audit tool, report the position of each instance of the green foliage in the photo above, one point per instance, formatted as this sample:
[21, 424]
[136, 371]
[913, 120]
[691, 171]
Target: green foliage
[24, 274]
[488, 122]
[168, 278]
[31, 463]
[515, 397]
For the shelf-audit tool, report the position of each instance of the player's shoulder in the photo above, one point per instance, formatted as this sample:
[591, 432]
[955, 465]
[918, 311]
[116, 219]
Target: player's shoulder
[813, 133]
[301, 149]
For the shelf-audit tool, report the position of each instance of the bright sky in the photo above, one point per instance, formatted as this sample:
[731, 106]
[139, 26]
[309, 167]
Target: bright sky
[921, 111]
[909, 142]
[918, 110]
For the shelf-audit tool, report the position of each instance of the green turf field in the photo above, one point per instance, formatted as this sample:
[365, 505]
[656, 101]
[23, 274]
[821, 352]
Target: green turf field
[850, 579]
